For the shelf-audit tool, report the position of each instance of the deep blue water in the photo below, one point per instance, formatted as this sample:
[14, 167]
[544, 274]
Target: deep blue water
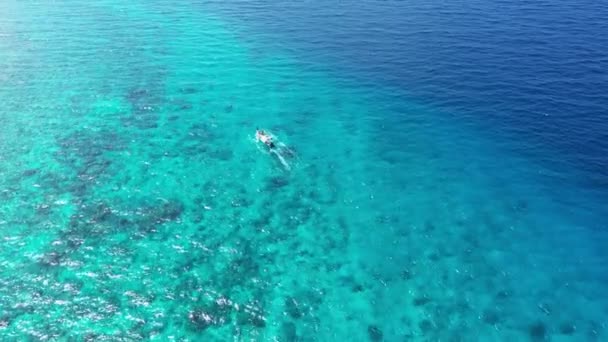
[532, 70]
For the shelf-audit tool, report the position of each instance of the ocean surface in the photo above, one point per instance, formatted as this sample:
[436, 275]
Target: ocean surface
[445, 172]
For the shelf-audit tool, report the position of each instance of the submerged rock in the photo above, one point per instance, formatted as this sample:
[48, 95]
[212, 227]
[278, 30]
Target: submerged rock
[491, 317]
[358, 288]
[93, 169]
[425, 326]
[201, 320]
[51, 259]
[101, 213]
[243, 268]
[503, 294]
[293, 308]
[188, 90]
[150, 122]
[277, 183]
[520, 206]
[136, 94]
[567, 328]
[537, 331]
[215, 313]
[185, 106]
[374, 333]
[406, 274]
[168, 211]
[221, 154]
[252, 314]
[202, 131]
[29, 173]
[251, 318]
[420, 301]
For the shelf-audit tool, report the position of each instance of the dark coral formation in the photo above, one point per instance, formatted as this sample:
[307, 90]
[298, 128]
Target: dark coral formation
[538, 331]
[491, 317]
[293, 308]
[421, 300]
[145, 104]
[374, 333]
[215, 313]
[567, 328]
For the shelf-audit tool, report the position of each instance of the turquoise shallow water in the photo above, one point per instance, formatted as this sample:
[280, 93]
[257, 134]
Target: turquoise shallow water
[137, 205]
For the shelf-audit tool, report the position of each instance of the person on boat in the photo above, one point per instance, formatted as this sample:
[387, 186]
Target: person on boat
[264, 137]
[278, 149]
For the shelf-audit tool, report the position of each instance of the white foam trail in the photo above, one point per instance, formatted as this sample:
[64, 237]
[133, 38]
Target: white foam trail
[282, 160]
